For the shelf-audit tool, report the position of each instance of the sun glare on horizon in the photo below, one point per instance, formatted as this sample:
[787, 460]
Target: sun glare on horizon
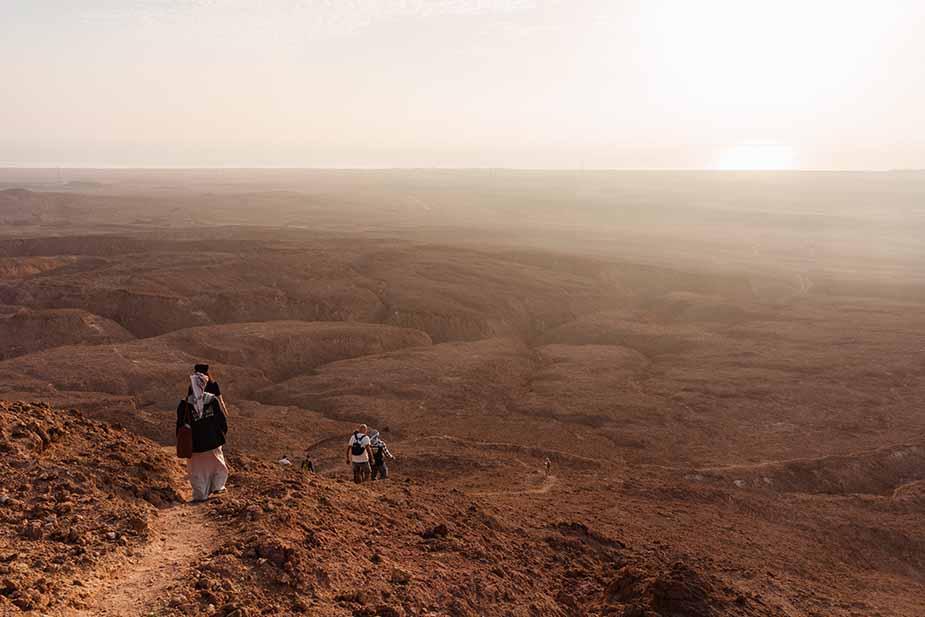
[756, 157]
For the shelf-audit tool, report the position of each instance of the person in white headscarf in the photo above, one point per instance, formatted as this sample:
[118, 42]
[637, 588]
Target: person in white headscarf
[380, 452]
[205, 414]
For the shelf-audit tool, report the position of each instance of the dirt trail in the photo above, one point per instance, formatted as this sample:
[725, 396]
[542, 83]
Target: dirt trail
[135, 585]
[548, 483]
[540, 451]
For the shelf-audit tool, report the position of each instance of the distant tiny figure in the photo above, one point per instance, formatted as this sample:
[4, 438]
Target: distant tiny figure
[307, 464]
[358, 454]
[204, 412]
[285, 460]
[547, 465]
[380, 452]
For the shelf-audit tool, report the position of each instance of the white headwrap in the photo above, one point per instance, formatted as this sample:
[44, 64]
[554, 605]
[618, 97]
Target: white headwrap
[199, 398]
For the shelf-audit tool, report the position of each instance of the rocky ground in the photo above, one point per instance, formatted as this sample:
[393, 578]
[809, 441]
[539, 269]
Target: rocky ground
[95, 523]
[90, 511]
[732, 417]
[75, 496]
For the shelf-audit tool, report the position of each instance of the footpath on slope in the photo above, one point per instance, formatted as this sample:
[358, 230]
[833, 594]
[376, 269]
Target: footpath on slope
[549, 482]
[89, 521]
[133, 586]
[93, 522]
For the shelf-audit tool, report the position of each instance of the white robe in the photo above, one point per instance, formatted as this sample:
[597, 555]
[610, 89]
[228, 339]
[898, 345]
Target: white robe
[208, 473]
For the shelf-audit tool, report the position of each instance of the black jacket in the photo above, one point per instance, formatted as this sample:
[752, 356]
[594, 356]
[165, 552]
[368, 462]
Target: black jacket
[209, 431]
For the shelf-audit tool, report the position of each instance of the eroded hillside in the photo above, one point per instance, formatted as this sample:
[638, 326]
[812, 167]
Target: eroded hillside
[737, 440]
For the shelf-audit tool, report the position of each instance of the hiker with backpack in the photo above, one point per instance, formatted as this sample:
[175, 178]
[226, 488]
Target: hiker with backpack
[380, 451]
[201, 429]
[358, 454]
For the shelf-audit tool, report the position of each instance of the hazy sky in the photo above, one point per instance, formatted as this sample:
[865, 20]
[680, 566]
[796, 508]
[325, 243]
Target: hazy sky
[515, 83]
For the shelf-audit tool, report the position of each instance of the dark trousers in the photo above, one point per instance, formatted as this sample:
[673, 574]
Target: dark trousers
[382, 470]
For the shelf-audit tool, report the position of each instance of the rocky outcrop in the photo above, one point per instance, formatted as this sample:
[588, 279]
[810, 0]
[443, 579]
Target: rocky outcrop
[73, 494]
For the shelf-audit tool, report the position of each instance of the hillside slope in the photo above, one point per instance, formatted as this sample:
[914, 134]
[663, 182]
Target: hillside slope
[93, 523]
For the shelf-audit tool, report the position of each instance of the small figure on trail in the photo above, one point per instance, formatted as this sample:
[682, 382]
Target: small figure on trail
[358, 454]
[285, 460]
[203, 411]
[547, 466]
[307, 464]
[380, 452]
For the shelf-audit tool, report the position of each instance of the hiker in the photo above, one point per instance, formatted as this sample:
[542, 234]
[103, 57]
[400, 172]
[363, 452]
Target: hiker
[307, 464]
[380, 452]
[205, 414]
[285, 460]
[547, 465]
[358, 454]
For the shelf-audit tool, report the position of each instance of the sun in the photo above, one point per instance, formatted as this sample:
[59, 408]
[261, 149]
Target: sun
[756, 157]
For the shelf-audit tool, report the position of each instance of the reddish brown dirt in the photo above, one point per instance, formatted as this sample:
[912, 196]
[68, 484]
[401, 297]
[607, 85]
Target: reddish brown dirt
[737, 440]
[26, 331]
[283, 542]
[182, 537]
[76, 497]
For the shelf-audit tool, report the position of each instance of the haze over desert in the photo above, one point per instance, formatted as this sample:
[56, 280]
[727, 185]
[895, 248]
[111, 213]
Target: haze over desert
[469, 308]
[731, 405]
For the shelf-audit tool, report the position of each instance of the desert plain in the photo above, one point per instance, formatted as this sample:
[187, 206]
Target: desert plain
[726, 371]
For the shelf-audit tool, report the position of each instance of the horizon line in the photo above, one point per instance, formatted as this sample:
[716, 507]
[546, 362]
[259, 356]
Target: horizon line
[10, 167]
